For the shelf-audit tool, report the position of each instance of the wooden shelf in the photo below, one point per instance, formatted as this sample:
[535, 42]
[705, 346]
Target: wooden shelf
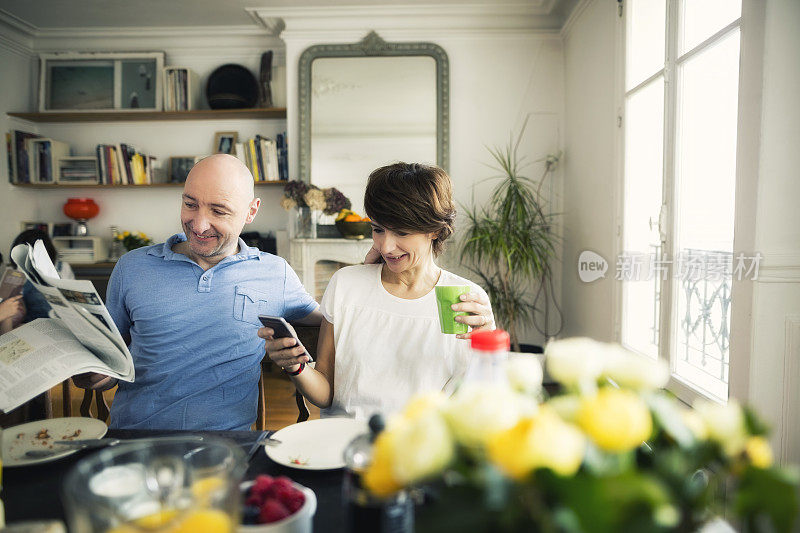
[130, 116]
[152, 185]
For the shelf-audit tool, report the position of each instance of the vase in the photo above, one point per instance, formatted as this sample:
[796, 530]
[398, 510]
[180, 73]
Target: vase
[305, 223]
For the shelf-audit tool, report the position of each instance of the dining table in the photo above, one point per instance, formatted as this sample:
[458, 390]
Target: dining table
[34, 492]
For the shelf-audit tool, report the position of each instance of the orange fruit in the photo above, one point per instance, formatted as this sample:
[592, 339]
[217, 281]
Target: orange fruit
[352, 218]
[365, 219]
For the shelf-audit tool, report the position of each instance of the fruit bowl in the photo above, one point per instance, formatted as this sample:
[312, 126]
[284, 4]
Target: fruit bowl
[299, 521]
[354, 230]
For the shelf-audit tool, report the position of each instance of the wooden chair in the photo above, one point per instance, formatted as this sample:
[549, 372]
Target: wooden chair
[309, 336]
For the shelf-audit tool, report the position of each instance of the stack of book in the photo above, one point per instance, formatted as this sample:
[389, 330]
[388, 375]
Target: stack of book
[33, 159]
[178, 85]
[121, 164]
[266, 158]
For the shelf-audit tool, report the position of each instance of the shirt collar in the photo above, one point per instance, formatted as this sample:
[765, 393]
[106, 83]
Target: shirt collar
[165, 250]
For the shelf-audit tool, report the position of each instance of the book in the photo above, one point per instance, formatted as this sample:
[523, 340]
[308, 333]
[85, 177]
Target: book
[19, 156]
[82, 338]
[42, 154]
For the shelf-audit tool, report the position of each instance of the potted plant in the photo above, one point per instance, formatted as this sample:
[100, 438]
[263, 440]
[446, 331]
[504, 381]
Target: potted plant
[509, 242]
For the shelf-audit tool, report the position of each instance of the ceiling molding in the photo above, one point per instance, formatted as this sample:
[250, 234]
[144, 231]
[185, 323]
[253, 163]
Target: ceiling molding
[574, 16]
[16, 35]
[500, 17]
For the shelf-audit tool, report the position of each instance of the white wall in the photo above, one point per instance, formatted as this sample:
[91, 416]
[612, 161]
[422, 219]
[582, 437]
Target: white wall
[499, 73]
[775, 356]
[589, 169]
[151, 210]
[16, 67]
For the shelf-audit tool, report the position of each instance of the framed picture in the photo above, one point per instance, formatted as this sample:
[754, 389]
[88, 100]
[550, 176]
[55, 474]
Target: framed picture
[101, 81]
[225, 142]
[41, 226]
[180, 166]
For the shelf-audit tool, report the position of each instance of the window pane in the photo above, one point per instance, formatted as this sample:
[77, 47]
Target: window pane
[644, 134]
[644, 46]
[706, 181]
[700, 19]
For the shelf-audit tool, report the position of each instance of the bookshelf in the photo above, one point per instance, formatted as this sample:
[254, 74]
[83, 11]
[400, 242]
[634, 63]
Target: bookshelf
[142, 186]
[131, 116]
[78, 117]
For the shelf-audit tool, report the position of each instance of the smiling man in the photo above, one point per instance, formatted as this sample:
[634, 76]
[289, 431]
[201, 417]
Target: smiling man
[190, 308]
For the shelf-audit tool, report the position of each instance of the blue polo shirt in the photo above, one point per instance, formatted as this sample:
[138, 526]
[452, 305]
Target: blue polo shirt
[193, 334]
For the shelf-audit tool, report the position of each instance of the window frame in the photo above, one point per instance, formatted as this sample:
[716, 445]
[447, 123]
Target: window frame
[739, 364]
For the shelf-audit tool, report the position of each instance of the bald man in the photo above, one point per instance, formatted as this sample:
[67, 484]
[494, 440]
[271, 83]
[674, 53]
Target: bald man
[190, 308]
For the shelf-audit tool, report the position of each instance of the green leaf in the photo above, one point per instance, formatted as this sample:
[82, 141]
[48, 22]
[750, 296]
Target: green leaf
[767, 499]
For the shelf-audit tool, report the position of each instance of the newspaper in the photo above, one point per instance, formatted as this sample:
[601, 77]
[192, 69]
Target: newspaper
[81, 338]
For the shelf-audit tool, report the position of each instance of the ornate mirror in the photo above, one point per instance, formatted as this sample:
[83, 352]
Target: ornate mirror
[369, 104]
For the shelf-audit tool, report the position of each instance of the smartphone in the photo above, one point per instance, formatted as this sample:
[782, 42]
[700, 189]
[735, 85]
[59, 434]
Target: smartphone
[282, 330]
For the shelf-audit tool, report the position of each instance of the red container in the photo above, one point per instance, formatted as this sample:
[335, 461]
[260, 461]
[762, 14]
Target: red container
[81, 208]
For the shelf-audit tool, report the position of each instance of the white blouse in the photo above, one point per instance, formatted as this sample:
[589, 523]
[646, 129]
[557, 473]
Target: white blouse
[388, 349]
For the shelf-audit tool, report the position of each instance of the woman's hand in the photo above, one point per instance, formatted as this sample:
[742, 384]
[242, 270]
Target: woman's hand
[283, 352]
[373, 257]
[480, 313]
[11, 307]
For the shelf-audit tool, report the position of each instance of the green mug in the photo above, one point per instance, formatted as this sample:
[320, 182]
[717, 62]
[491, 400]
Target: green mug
[447, 295]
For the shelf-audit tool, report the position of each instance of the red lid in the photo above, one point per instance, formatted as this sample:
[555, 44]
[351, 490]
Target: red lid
[490, 340]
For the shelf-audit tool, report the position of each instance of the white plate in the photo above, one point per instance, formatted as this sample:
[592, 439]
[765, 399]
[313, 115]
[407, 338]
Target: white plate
[19, 439]
[315, 444]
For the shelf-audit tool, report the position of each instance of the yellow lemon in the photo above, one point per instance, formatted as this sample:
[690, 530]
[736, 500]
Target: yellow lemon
[616, 420]
[126, 233]
[759, 452]
[204, 489]
[423, 403]
[343, 213]
[205, 521]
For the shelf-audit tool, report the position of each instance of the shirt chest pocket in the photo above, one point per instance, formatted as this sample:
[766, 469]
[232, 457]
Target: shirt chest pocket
[248, 303]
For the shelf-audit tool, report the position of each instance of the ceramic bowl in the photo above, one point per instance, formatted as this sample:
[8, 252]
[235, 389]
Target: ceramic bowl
[301, 521]
[354, 230]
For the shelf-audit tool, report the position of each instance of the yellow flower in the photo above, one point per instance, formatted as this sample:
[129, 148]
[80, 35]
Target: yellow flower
[759, 452]
[725, 424]
[541, 441]
[379, 475]
[616, 420]
[126, 233]
[476, 412]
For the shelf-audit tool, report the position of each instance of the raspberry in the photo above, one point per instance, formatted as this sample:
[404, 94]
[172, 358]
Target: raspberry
[262, 483]
[293, 500]
[272, 511]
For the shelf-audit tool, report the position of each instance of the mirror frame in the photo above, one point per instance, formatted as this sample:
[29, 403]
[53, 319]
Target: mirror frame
[374, 46]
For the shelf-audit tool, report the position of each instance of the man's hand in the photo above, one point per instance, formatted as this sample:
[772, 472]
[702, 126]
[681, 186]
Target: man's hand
[283, 352]
[480, 310]
[94, 381]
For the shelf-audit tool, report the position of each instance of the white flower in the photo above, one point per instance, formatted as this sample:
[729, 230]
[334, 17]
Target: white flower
[427, 447]
[525, 374]
[634, 371]
[724, 423]
[576, 362]
[478, 411]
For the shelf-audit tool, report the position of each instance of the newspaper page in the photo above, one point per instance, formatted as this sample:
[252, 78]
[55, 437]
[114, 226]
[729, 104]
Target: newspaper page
[41, 354]
[80, 313]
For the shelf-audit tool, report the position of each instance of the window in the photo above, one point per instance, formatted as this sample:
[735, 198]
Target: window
[681, 64]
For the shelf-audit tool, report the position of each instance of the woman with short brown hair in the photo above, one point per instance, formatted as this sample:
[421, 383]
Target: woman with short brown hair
[380, 340]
